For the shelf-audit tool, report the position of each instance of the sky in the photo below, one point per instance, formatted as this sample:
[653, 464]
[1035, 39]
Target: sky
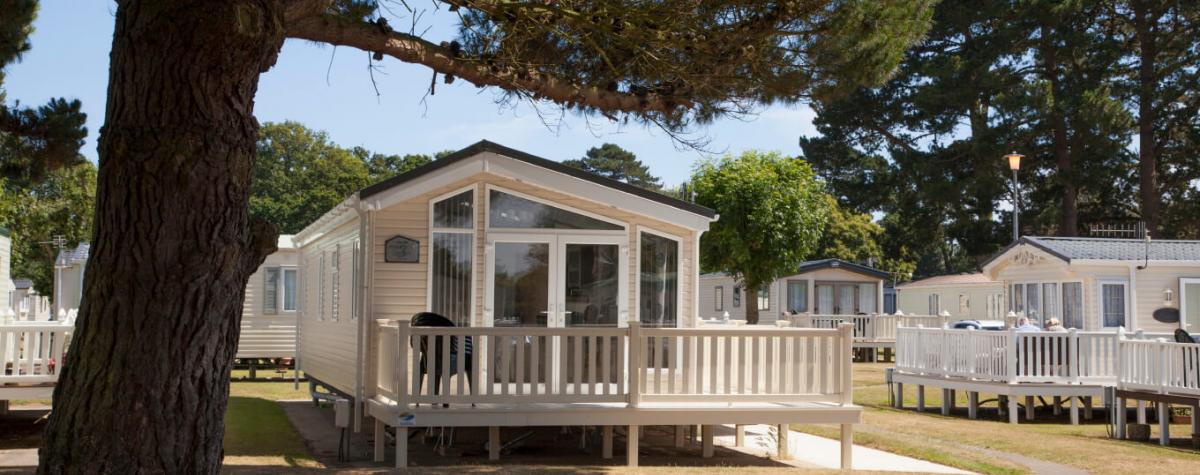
[330, 89]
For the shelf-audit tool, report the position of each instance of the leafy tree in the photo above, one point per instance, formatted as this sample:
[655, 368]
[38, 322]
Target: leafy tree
[33, 141]
[612, 161]
[299, 175]
[62, 204]
[383, 166]
[856, 237]
[178, 146]
[772, 209]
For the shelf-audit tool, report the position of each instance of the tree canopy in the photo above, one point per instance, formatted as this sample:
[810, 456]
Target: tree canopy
[61, 204]
[773, 212]
[612, 161]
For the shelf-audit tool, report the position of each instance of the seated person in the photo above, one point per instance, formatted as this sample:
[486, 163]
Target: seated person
[1023, 325]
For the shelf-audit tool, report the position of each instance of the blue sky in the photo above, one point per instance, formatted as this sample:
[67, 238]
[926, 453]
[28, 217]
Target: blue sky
[70, 58]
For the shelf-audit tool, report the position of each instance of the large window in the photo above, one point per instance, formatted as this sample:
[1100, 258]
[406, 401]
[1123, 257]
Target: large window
[797, 296]
[1018, 298]
[510, 211]
[1042, 301]
[1112, 304]
[658, 292]
[866, 299]
[1072, 304]
[453, 257]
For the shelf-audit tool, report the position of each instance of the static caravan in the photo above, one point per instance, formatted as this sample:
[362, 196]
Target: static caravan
[1099, 284]
[68, 275]
[964, 296]
[27, 303]
[561, 293]
[833, 286]
[271, 306]
[6, 284]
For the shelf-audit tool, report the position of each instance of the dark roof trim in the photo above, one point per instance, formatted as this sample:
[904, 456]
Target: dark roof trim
[1024, 240]
[486, 146]
[841, 264]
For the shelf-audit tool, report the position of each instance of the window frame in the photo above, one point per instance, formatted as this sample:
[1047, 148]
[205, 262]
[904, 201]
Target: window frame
[787, 294]
[934, 303]
[679, 274]
[472, 230]
[737, 296]
[719, 298]
[1124, 283]
[487, 211]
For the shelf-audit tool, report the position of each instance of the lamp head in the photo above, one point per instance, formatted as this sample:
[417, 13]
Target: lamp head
[1014, 160]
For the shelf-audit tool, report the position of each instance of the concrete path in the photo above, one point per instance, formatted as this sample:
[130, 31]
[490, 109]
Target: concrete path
[810, 451]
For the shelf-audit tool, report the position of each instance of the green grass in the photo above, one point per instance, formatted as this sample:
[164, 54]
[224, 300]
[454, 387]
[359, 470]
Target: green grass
[953, 440]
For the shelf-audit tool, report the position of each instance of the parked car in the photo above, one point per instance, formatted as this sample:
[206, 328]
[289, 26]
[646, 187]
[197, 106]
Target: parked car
[989, 325]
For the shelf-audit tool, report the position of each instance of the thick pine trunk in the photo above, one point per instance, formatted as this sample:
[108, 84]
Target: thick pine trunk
[1144, 27]
[145, 384]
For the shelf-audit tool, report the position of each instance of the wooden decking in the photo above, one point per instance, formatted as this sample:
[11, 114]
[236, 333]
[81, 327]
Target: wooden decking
[609, 377]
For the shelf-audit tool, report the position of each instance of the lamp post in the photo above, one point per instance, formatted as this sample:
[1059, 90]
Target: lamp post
[1014, 164]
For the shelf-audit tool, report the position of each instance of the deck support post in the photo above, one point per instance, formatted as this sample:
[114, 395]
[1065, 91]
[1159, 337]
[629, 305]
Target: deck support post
[706, 444]
[1195, 420]
[606, 450]
[1141, 412]
[1014, 410]
[783, 448]
[631, 446]
[4, 407]
[973, 404]
[947, 401]
[1029, 408]
[1074, 410]
[899, 396]
[739, 438]
[920, 398]
[1058, 405]
[401, 447]
[1121, 416]
[494, 443]
[380, 439]
[847, 446]
[680, 435]
[1164, 423]
[1087, 408]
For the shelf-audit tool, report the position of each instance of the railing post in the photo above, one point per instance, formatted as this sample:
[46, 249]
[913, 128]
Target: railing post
[1118, 368]
[400, 372]
[1011, 357]
[1162, 368]
[847, 331]
[635, 363]
[1073, 356]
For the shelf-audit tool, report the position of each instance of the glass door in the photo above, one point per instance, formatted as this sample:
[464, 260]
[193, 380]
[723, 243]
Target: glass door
[520, 280]
[825, 299]
[590, 295]
[1189, 305]
[846, 299]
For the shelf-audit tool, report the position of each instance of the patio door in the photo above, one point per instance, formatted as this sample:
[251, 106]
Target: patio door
[1189, 305]
[846, 300]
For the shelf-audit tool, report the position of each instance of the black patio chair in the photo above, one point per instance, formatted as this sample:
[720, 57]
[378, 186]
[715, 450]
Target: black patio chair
[430, 319]
[1182, 336]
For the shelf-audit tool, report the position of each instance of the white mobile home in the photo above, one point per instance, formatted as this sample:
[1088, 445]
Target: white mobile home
[555, 282]
[68, 275]
[271, 306]
[1099, 284]
[833, 286]
[6, 284]
[971, 296]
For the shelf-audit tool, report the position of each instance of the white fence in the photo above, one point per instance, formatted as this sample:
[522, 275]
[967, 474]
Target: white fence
[1159, 366]
[612, 365]
[1071, 357]
[32, 352]
[871, 327]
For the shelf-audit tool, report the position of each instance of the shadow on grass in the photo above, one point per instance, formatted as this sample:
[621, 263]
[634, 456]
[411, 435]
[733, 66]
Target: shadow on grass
[258, 429]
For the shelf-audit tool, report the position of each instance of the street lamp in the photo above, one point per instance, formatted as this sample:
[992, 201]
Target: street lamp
[1014, 164]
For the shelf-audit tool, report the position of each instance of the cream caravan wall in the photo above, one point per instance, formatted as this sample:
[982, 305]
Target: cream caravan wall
[965, 301]
[778, 290]
[265, 335]
[6, 284]
[328, 328]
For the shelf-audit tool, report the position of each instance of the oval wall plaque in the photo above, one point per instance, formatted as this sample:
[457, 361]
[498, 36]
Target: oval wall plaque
[1167, 315]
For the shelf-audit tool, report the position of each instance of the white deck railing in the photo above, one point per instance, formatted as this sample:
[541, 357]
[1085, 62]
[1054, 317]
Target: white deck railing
[613, 365]
[1071, 357]
[32, 352]
[1159, 366]
[871, 327]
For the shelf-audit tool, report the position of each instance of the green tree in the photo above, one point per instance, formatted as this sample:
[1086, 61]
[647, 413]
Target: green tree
[33, 141]
[612, 161]
[856, 237]
[61, 204]
[383, 166]
[299, 175]
[177, 153]
[772, 209]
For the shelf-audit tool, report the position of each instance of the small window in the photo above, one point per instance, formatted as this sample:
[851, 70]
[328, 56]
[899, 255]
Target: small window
[1112, 296]
[935, 304]
[270, 295]
[797, 296]
[764, 298]
[737, 297]
[289, 290]
[509, 211]
[719, 299]
[1072, 304]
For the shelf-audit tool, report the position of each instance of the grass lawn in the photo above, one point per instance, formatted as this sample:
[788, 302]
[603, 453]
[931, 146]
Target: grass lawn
[257, 432]
[956, 440]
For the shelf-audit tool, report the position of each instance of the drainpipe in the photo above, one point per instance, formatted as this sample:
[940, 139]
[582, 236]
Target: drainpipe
[360, 309]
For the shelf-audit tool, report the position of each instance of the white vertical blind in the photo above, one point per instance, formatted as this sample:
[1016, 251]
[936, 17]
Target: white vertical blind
[270, 295]
[451, 257]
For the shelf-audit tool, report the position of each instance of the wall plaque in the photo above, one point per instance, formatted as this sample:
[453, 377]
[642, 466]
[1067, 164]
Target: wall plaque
[401, 249]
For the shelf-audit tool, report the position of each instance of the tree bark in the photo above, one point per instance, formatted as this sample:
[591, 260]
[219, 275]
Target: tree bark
[145, 385]
[751, 303]
[1144, 20]
[1068, 224]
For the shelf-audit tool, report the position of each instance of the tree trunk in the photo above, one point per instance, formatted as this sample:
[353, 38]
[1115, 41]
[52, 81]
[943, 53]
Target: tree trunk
[1144, 28]
[751, 305]
[1068, 224]
[146, 382]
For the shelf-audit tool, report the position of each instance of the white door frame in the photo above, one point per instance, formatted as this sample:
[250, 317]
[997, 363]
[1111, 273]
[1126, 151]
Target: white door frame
[1183, 281]
[489, 286]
